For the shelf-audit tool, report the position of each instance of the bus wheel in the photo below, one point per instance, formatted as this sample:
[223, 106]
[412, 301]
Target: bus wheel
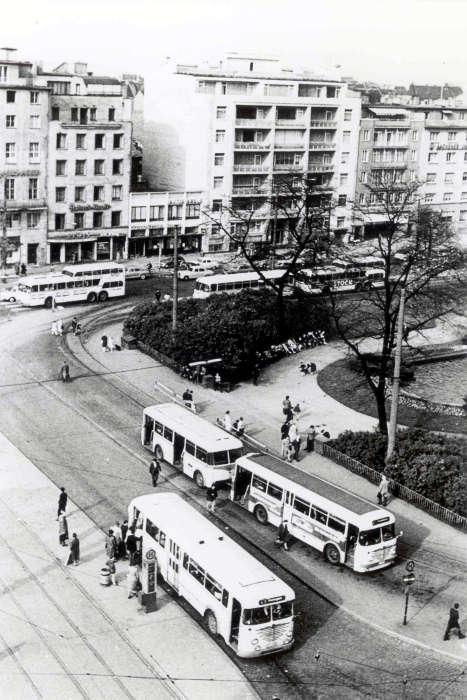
[158, 452]
[48, 303]
[210, 622]
[331, 554]
[261, 515]
[199, 479]
[103, 296]
[92, 298]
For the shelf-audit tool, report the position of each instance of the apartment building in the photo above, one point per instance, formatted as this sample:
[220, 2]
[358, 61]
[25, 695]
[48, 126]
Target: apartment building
[244, 125]
[23, 158]
[414, 143]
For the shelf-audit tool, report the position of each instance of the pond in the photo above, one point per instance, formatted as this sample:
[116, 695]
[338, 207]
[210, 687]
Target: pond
[442, 382]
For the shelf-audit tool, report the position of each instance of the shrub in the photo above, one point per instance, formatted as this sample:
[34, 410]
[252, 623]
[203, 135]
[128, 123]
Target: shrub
[232, 327]
[428, 463]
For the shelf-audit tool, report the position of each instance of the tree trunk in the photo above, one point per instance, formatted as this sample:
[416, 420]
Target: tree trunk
[281, 312]
[381, 408]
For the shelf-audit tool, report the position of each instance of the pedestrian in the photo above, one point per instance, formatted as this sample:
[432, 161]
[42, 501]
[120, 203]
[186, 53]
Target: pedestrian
[131, 543]
[211, 495]
[217, 381]
[62, 529]
[62, 501]
[287, 408]
[149, 268]
[118, 539]
[111, 343]
[293, 433]
[383, 491]
[227, 420]
[17, 269]
[104, 343]
[78, 329]
[255, 374]
[239, 427]
[59, 327]
[124, 528]
[157, 294]
[74, 323]
[110, 563]
[187, 397]
[23, 269]
[53, 328]
[132, 581]
[290, 451]
[310, 438]
[283, 535]
[296, 446]
[74, 550]
[453, 623]
[65, 373]
[154, 470]
[111, 545]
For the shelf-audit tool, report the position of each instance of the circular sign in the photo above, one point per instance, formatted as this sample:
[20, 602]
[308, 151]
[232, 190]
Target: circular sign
[151, 554]
[409, 579]
[410, 566]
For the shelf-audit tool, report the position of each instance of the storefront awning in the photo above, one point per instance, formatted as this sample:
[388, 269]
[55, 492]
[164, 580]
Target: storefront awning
[388, 112]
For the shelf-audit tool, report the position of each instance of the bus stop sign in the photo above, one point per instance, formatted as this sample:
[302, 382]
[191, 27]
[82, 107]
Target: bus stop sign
[409, 579]
[410, 566]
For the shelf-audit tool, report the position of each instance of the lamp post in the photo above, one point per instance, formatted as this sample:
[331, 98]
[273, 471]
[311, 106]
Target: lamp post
[396, 379]
[175, 283]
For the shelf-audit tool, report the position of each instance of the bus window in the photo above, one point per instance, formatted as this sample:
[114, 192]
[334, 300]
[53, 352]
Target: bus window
[225, 598]
[87, 283]
[259, 484]
[275, 491]
[239, 285]
[320, 515]
[168, 434]
[79, 283]
[185, 561]
[336, 524]
[388, 532]
[190, 448]
[213, 587]
[221, 458]
[106, 285]
[301, 506]
[254, 283]
[281, 610]
[202, 455]
[34, 288]
[220, 287]
[162, 538]
[370, 537]
[196, 571]
[70, 285]
[256, 616]
[60, 285]
[234, 455]
[152, 530]
[158, 427]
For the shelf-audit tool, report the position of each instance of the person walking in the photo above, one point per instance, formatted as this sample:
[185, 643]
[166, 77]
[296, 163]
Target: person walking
[132, 581]
[104, 343]
[110, 563]
[283, 536]
[211, 495]
[255, 374]
[59, 327]
[284, 439]
[227, 422]
[287, 408]
[310, 438]
[111, 343]
[111, 545]
[53, 328]
[74, 550]
[154, 470]
[62, 529]
[131, 544]
[383, 491]
[453, 623]
[217, 381]
[157, 295]
[296, 445]
[124, 528]
[118, 538]
[74, 323]
[293, 435]
[62, 501]
[65, 373]
[239, 427]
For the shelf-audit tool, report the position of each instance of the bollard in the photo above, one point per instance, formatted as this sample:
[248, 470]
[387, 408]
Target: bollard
[105, 576]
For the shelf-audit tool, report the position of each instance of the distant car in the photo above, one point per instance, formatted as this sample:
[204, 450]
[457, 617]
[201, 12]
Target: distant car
[9, 294]
[207, 263]
[135, 272]
[169, 263]
[193, 272]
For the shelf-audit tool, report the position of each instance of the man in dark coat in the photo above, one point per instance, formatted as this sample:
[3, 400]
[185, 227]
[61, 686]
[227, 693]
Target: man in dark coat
[62, 500]
[154, 470]
[453, 623]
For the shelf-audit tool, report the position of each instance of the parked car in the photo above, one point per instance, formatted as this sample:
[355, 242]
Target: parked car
[207, 263]
[135, 272]
[192, 272]
[8, 293]
[169, 263]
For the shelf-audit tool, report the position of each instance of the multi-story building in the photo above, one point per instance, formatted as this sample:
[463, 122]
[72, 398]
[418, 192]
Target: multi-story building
[243, 125]
[23, 160]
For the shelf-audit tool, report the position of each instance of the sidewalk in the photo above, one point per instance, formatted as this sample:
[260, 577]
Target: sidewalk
[425, 539]
[63, 635]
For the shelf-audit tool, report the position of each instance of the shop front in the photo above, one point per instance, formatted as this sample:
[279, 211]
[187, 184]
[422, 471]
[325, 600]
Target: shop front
[77, 248]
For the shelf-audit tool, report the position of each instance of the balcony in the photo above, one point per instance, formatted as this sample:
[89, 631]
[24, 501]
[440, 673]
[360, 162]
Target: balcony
[259, 213]
[251, 146]
[254, 123]
[250, 168]
[295, 123]
[289, 146]
[242, 190]
[389, 164]
[102, 126]
[288, 167]
[376, 144]
[323, 124]
[21, 204]
[322, 146]
[320, 168]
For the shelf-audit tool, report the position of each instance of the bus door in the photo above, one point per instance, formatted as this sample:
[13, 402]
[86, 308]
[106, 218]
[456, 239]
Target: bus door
[351, 542]
[241, 485]
[179, 446]
[173, 565]
[235, 621]
[147, 430]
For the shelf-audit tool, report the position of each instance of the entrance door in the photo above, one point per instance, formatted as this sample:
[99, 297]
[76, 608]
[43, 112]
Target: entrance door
[32, 253]
[173, 565]
[179, 446]
[241, 484]
[352, 537]
[235, 621]
[148, 428]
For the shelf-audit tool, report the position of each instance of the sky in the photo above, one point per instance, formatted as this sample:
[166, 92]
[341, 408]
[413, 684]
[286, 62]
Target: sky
[388, 41]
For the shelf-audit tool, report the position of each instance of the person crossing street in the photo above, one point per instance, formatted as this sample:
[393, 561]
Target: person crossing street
[154, 470]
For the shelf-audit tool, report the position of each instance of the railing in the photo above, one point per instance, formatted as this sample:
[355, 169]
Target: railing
[261, 123]
[377, 144]
[102, 126]
[389, 164]
[322, 124]
[398, 490]
[259, 191]
[250, 167]
[317, 168]
[252, 146]
[253, 213]
[289, 146]
[12, 204]
[290, 122]
[321, 146]
[288, 166]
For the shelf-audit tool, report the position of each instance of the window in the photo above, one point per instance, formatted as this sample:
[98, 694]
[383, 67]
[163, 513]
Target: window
[99, 141]
[434, 136]
[60, 194]
[364, 176]
[464, 177]
[168, 434]
[345, 157]
[10, 96]
[213, 587]
[98, 193]
[301, 506]
[34, 151]
[97, 219]
[275, 492]
[452, 135]
[59, 87]
[347, 115]
[115, 218]
[366, 134]
[361, 198]
[465, 157]
[32, 188]
[55, 115]
[221, 112]
[10, 120]
[32, 219]
[336, 524]
[320, 515]
[217, 204]
[464, 195]
[259, 483]
[80, 141]
[93, 114]
[343, 178]
[138, 213]
[59, 222]
[10, 152]
[201, 455]
[196, 571]
[98, 167]
[218, 182]
[192, 211]
[79, 194]
[365, 156]
[463, 215]
[74, 114]
[450, 156]
[111, 114]
[60, 141]
[60, 167]
[431, 177]
[448, 178]
[220, 458]
[9, 188]
[432, 157]
[118, 140]
[116, 193]
[156, 213]
[346, 137]
[429, 197]
[220, 136]
[447, 196]
[218, 159]
[80, 167]
[414, 135]
[175, 211]
[79, 220]
[117, 167]
[34, 121]
[3, 74]
[340, 221]
[342, 200]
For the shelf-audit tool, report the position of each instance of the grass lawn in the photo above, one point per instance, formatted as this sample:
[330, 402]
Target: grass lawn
[350, 388]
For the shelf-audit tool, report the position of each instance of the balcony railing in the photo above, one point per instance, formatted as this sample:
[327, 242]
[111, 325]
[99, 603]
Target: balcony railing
[250, 190]
[389, 164]
[259, 123]
[320, 168]
[322, 124]
[250, 167]
[259, 213]
[322, 146]
[299, 123]
[377, 144]
[102, 126]
[288, 166]
[289, 146]
[15, 204]
[252, 146]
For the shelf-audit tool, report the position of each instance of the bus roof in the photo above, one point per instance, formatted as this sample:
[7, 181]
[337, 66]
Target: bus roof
[241, 276]
[202, 432]
[84, 267]
[227, 562]
[354, 504]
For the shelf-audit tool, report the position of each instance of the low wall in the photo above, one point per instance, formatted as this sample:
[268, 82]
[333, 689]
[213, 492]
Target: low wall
[444, 409]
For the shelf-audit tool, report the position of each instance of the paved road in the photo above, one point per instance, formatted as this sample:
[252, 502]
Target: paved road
[86, 435]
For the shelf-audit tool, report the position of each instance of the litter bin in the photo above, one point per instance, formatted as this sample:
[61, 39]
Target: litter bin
[208, 381]
[105, 576]
[128, 341]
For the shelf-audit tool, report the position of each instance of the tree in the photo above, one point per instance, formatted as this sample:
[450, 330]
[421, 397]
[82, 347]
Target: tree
[416, 251]
[298, 212]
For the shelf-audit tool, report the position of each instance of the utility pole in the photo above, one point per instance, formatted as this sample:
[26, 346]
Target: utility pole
[4, 245]
[175, 283]
[396, 380]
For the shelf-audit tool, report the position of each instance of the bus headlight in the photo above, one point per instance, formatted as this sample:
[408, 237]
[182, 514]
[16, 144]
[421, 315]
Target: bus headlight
[254, 642]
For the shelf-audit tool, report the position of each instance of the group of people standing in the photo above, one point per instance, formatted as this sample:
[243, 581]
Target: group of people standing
[123, 543]
[108, 344]
[63, 536]
[236, 427]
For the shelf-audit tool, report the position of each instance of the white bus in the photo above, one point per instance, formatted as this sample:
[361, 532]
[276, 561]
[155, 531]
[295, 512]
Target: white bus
[239, 598]
[233, 283]
[87, 282]
[323, 280]
[204, 452]
[347, 529]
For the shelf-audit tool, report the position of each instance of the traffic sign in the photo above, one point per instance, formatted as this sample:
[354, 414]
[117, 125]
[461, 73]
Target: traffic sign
[409, 579]
[410, 566]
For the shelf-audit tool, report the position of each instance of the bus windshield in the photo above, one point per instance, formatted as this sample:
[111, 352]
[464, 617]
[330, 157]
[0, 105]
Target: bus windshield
[258, 616]
[373, 536]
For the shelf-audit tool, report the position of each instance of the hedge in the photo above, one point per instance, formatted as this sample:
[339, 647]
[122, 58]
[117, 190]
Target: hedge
[429, 463]
[232, 327]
